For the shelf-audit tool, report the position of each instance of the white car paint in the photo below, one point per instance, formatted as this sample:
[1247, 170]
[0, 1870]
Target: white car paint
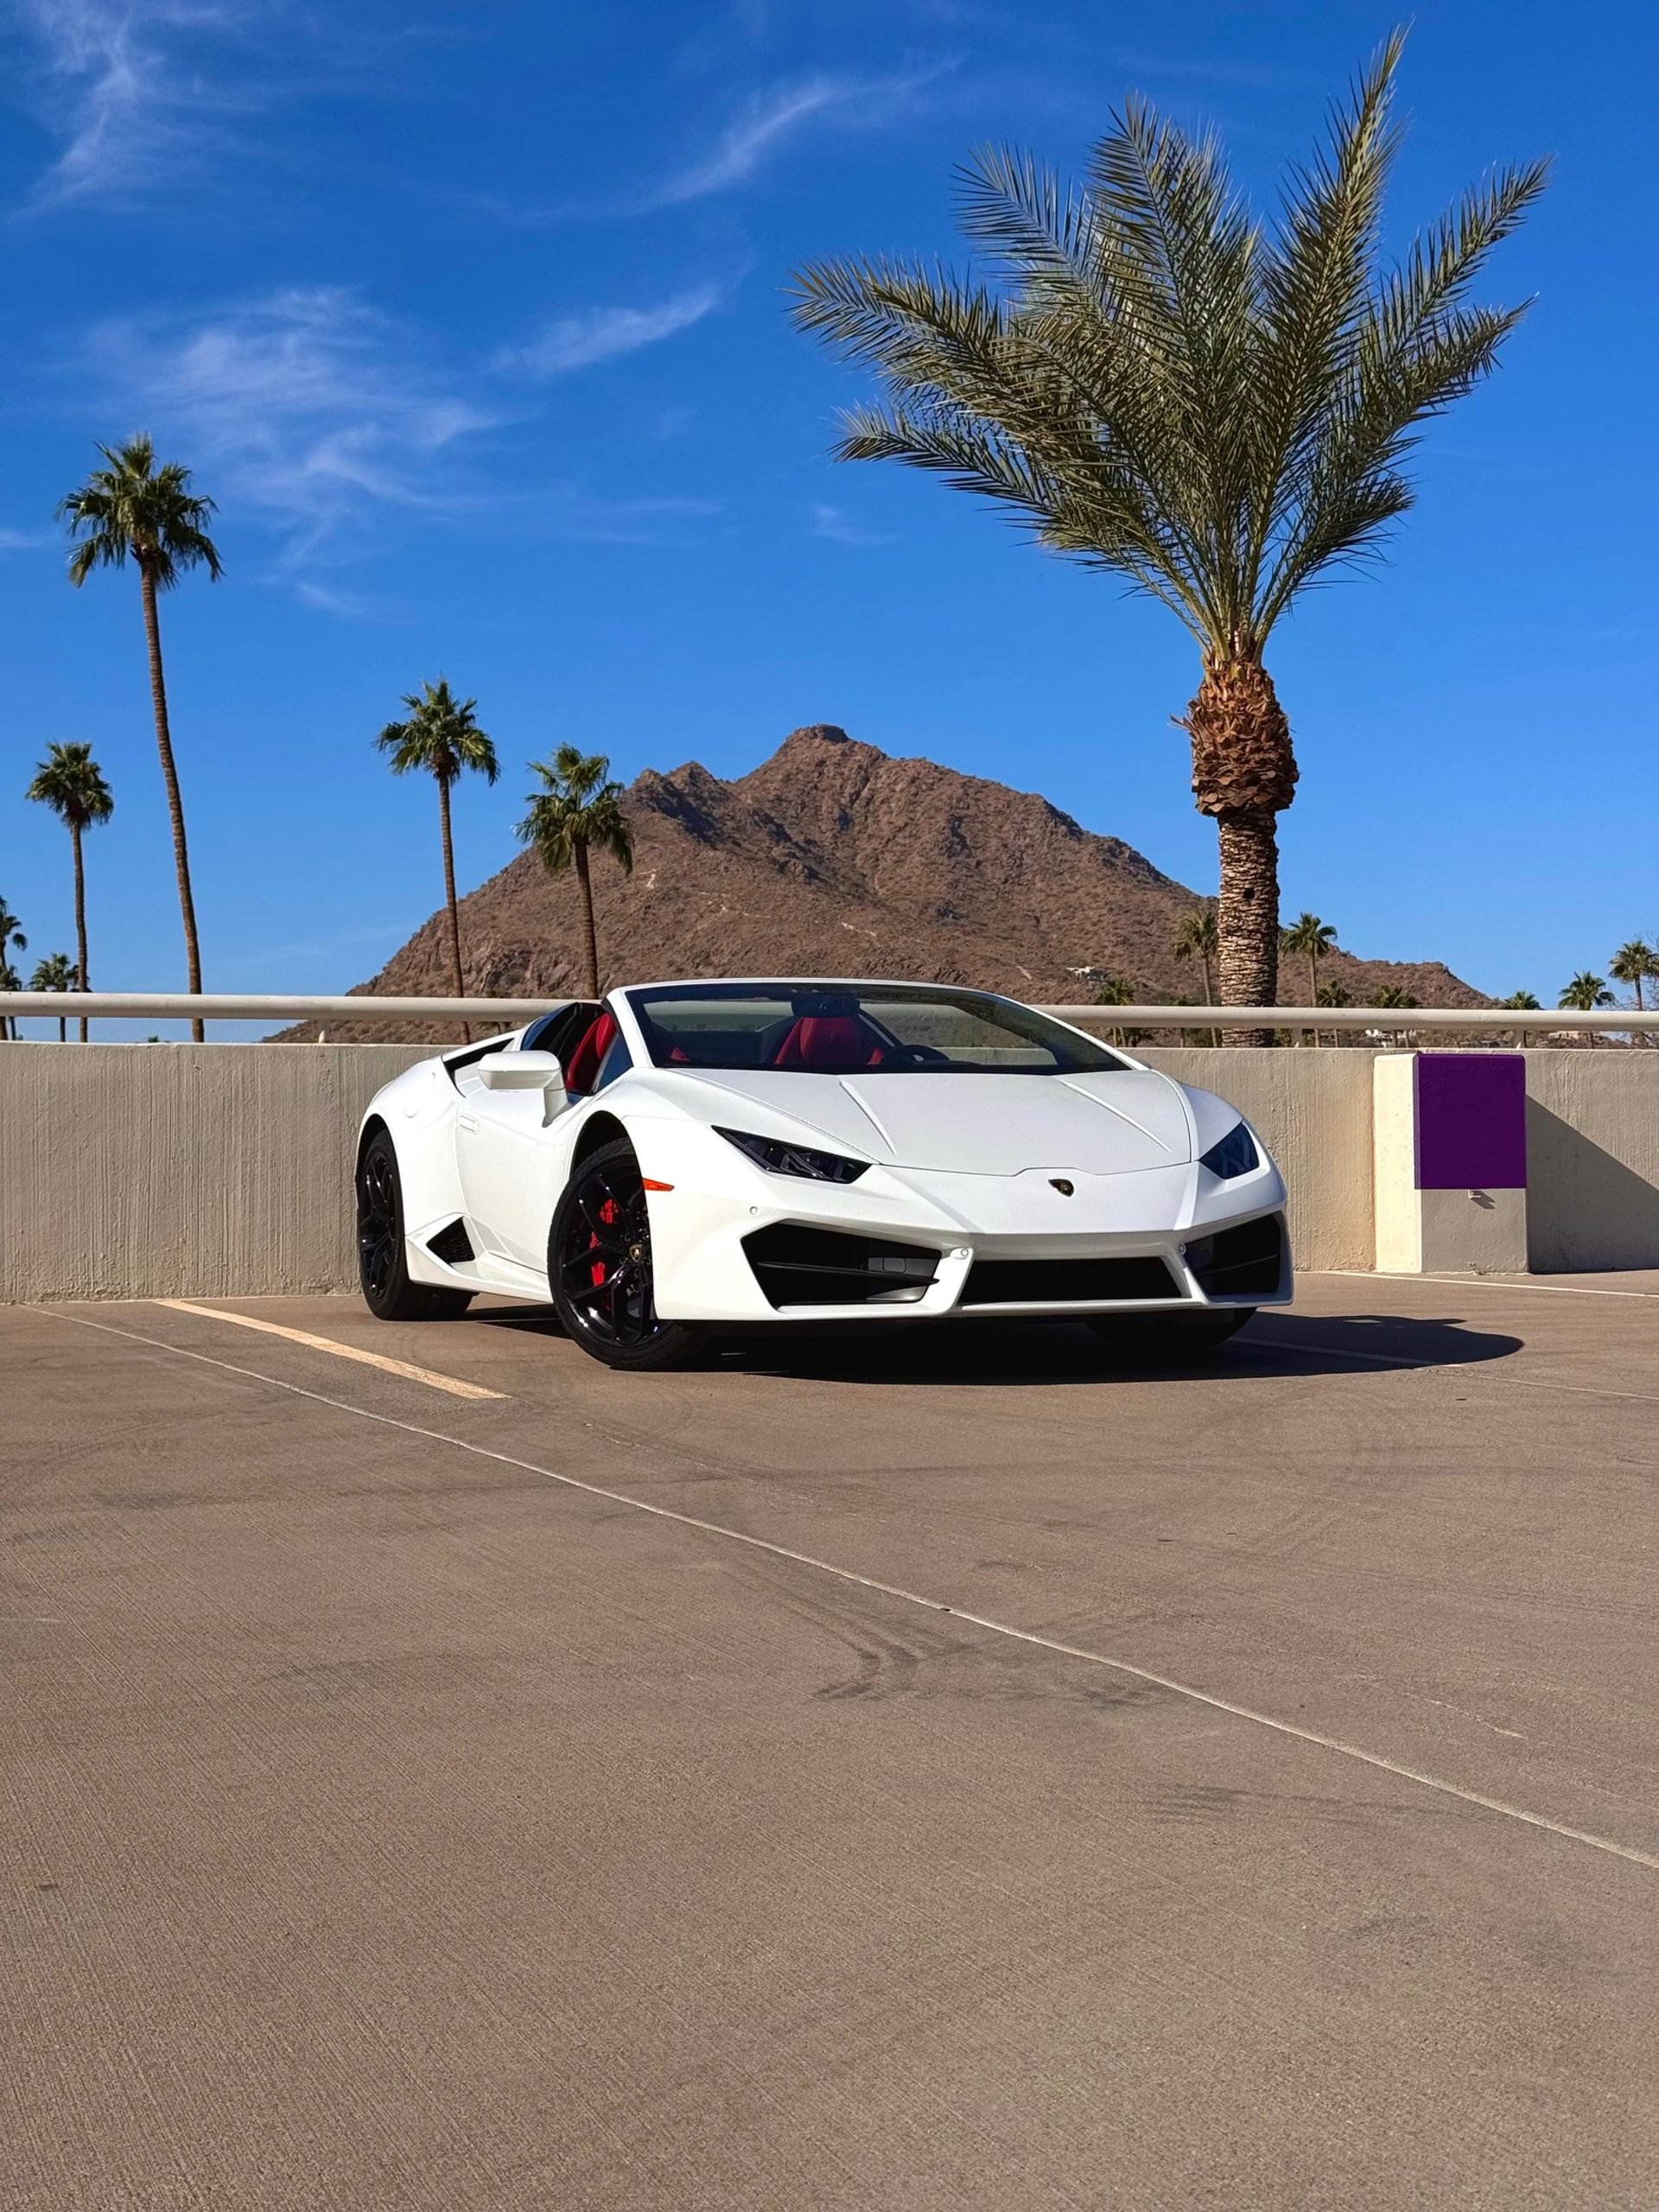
[964, 1163]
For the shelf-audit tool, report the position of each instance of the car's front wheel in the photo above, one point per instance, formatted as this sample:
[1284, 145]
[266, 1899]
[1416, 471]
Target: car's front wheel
[599, 1268]
[1168, 1337]
[382, 1257]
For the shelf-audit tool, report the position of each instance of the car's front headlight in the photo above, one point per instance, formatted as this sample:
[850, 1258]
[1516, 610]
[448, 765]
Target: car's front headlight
[780, 1158]
[1236, 1155]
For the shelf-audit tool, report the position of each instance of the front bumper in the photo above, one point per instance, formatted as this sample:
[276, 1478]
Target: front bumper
[1136, 1242]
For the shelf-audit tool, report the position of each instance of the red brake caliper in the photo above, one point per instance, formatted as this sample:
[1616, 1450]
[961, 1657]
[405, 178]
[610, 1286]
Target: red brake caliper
[596, 1268]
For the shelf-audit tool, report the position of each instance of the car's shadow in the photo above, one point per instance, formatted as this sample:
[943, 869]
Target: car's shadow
[977, 1353]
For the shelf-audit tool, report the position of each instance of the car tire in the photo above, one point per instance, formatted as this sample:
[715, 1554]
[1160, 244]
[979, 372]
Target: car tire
[1169, 1337]
[599, 1268]
[382, 1254]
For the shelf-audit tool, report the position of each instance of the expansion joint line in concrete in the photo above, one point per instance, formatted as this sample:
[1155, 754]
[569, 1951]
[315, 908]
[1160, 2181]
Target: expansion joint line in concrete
[1286, 1728]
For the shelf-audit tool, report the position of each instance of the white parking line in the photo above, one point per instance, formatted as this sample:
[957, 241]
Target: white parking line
[1289, 1728]
[1483, 1282]
[410, 1373]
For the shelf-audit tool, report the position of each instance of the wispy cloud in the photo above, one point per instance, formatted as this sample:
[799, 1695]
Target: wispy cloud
[135, 90]
[577, 341]
[834, 524]
[22, 541]
[307, 405]
[769, 120]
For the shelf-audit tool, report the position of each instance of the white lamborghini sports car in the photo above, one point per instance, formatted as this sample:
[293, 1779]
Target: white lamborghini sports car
[692, 1159]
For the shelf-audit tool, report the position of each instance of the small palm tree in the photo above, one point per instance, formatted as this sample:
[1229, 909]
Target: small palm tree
[11, 940]
[72, 784]
[1633, 963]
[1196, 939]
[1159, 384]
[578, 811]
[56, 973]
[1312, 938]
[132, 510]
[441, 739]
[1522, 1001]
[1587, 993]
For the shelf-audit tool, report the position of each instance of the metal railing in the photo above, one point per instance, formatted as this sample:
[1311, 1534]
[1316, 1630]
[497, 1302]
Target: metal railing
[158, 1006]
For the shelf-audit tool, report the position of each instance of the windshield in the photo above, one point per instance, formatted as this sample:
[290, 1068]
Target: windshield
[856, 1028]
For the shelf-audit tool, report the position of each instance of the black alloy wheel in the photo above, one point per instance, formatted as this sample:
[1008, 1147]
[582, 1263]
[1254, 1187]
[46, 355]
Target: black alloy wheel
[382, 1261]
[599, 1268]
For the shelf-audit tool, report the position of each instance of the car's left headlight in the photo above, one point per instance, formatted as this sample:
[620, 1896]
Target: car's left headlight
[780, 1158]
[1236, 1155]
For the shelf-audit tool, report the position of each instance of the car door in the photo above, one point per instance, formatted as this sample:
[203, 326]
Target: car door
[513, 1160]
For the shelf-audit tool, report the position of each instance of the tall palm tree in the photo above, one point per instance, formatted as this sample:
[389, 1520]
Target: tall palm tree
[72, 784]
[1634, 964]
[132, 510]
[11, 940]
[578, 811]
[56, 973]
[441, 738]
[1196, 939]
[1162, 386]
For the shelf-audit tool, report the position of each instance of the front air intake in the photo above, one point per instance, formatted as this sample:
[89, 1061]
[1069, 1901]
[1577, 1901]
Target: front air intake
[1066, 1282]
[798, 1266]
[1246, 1262]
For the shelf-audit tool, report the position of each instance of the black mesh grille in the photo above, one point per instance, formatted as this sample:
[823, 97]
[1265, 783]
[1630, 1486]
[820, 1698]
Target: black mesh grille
[452, 1245]
[1240, 1263]
[798, 1266]
[1054, 1282]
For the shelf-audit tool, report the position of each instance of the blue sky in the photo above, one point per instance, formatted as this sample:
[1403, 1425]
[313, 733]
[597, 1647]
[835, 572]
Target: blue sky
[470, 318]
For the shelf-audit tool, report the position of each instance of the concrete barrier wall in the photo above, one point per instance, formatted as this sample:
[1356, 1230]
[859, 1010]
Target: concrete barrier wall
[156, 1171]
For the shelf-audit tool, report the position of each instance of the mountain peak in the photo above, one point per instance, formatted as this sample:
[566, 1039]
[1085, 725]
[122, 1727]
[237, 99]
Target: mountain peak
[832, 857]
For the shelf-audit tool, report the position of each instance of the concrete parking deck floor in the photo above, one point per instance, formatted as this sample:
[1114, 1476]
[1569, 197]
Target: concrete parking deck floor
[1083, 1788]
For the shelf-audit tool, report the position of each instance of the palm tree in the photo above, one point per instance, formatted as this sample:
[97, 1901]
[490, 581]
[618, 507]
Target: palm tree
[72, 784]
[578, 811]
[56, 973]
[1522, 1001]
[132, 509]
[1586, 992]
[1162, 385]
[1633, 963]
[1312, 938]
[1391, 994]
[12, 939]
[442, 737]
[1196, 939]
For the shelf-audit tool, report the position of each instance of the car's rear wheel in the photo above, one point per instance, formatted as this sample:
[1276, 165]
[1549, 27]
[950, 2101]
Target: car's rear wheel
[382, 1257]
[1170, 1338]
[599, 1268]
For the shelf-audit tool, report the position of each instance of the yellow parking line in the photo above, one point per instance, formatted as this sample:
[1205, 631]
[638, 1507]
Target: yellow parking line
[410, 1374]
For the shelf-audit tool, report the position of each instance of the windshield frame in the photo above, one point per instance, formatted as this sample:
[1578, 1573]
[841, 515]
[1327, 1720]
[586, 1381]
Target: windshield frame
[1076, 1051]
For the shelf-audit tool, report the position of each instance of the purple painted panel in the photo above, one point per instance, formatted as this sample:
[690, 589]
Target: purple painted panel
[1472, 1122]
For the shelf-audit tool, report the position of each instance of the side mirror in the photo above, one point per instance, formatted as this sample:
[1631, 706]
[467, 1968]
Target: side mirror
[521, 1071]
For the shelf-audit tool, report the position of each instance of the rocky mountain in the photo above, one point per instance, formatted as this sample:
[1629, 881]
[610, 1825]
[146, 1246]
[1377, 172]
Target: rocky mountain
[832, 859]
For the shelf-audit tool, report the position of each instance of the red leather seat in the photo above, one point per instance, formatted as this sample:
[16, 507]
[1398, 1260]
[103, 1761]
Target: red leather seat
[829, 1043]
[590, 1048]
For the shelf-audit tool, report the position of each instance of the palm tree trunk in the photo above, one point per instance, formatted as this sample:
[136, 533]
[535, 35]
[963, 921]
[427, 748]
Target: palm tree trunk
[1209, 987]
[170, 779]
[81, 983]
[1248, 911]
[1313, 988]
[590, 939]
[451, 903]
[63, 1030]
[1244, 775]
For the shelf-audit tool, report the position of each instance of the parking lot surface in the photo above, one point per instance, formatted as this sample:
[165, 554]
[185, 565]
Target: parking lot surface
[948, 1771]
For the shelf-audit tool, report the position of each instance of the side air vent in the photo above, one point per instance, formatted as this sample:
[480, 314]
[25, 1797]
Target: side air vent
[452, 1245]
[1243, 1263]
[798, 1266]
[1065, 1283]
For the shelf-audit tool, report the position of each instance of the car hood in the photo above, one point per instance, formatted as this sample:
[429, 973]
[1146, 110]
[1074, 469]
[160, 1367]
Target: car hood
[1112, 1123]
